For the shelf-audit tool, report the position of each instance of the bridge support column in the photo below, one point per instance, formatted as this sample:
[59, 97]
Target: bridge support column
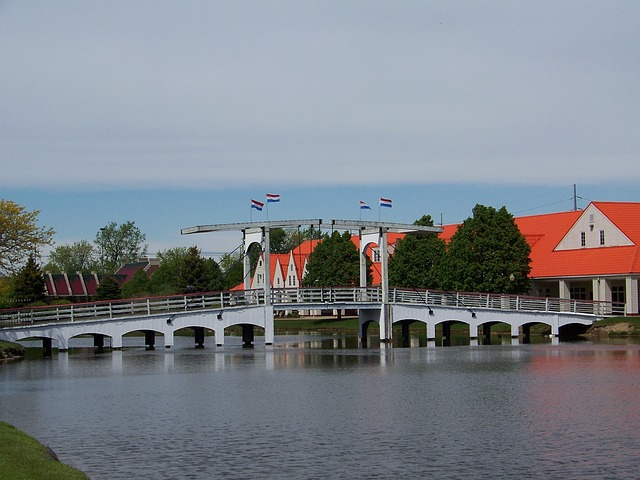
[98, 342]
[526, 333]
[386, 323]
[431, 332]
[150, 339]
[406, 337]
[486, 332]
[268, 325]
[446, 331]
[362, 334]
[47, 350]
[219, 335]
[199, 336]
[168, 339]
[473, 331]
[247, 336]
[514, 331]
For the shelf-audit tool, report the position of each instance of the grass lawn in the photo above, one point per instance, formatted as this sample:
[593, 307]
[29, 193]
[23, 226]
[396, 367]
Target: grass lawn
[24, 458]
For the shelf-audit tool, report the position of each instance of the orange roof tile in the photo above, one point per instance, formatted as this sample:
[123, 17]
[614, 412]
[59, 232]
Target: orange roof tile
[544, 232]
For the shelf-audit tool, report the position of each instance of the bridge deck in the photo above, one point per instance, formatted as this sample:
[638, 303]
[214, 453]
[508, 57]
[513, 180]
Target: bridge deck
[294, 299]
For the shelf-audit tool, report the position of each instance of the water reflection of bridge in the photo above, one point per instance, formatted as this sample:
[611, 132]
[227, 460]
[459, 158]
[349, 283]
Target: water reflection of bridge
[247, 309]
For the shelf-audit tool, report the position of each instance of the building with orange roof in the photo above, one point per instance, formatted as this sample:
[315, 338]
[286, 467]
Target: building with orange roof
[593, 254]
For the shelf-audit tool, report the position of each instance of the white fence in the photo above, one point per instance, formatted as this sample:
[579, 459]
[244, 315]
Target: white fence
[291, 298]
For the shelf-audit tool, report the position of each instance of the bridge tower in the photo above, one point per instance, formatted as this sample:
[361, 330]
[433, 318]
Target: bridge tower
[369, 233]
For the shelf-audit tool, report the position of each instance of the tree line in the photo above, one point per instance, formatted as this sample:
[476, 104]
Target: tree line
[487, 253]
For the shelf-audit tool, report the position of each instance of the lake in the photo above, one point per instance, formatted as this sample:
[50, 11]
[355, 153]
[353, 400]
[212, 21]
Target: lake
[314, 406]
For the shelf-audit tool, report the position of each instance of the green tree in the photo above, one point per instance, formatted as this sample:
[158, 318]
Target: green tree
[29, 285]
[183, 270]
[487, 254]
[284, 240]
[278, 241]
[417, 258]
[232, 269]
[20, 236]
[335, 261]
[77, 257]
[138, 286]
[200, 274]
[119, 244]
[109, 289]
[166, 280]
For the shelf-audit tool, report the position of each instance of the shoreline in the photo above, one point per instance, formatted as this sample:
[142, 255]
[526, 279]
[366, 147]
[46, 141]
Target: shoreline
[23, 456]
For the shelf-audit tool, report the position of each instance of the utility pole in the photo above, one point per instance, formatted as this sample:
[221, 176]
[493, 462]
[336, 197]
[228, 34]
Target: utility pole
[575, 198]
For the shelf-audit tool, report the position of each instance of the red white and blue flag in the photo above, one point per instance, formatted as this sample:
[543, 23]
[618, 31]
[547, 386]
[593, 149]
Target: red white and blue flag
[364, 206]
[273, 197]
[386, 202]
[256, 204]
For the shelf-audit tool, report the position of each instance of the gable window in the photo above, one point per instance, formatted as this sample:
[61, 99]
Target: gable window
[601, 237]
[375, 254]
[583, 239]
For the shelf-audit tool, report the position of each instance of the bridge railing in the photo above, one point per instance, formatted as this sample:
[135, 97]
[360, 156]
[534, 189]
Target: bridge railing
[105, 310]
[500, 301]
[294, 296]
[326, 295]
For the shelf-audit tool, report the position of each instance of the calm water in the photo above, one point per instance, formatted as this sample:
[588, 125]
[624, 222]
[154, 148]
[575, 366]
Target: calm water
[313, 407]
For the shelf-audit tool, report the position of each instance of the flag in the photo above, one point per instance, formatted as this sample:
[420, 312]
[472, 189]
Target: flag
[364, 206]
[386, 202]
[256, 204]
[273, 197]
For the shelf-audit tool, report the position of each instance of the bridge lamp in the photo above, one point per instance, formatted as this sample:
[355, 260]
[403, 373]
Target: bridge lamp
[220, 315]
[430, 311]
[473, 314]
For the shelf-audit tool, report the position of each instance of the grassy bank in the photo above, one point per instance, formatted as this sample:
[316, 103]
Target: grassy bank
[616, 326]
[24, 458]
[10, 350]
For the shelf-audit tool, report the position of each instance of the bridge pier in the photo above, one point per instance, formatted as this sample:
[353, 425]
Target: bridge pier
[98, 342]
[406, 338]
[150, 339]
[199, 336]
[47, 350]
[362, 334]
[431, 332]
[514, 331]
[486, 332]
[247, 335]
[473, 332]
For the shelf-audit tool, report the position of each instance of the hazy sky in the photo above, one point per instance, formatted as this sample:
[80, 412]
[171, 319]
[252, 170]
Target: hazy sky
[174, 114]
